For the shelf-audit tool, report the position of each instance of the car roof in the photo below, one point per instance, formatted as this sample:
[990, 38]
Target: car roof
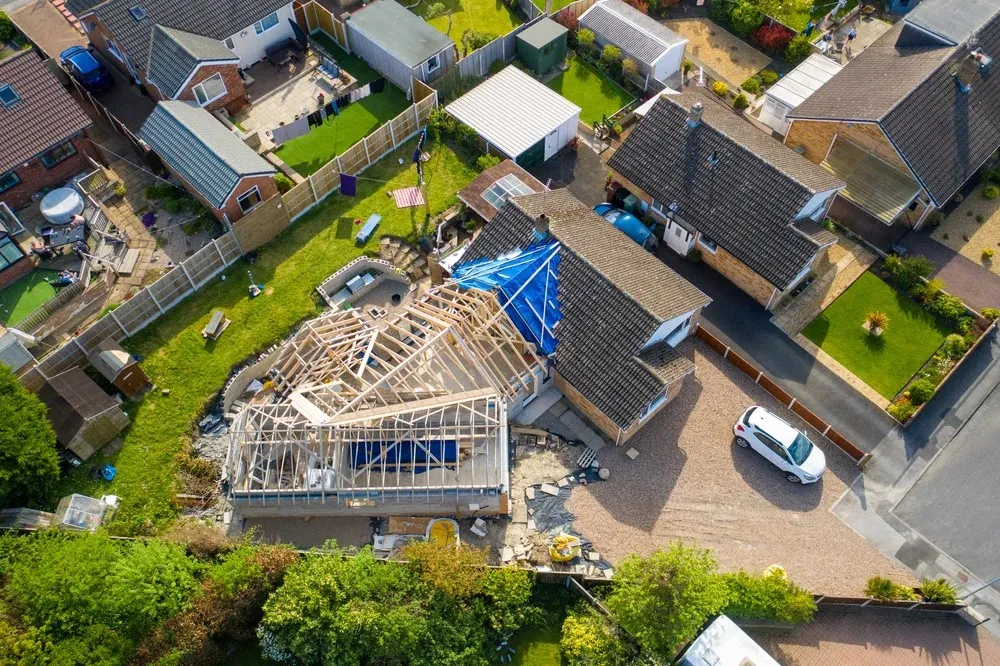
[81, 57]
[773, 426]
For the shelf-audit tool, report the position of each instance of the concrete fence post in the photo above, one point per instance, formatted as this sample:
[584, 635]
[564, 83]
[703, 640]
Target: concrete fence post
[725, 354]
[392, 134]
[759, 375]
[155, 302]
[792, 403]
[312, 186]
[187, 275]
[368, 156]
[221, 256]
[120, 324]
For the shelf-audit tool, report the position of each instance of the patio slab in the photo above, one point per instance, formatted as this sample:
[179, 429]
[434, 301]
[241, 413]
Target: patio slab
[717, 50]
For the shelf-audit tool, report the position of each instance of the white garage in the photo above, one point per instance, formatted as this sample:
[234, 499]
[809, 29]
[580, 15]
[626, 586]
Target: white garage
[518, 117]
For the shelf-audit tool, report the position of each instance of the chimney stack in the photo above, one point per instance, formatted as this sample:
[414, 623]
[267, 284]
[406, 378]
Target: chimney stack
[541, 227]
[694, 115]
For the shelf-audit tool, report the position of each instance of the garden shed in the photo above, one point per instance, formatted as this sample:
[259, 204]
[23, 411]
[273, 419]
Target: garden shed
[118, 367]
[517, 116]
[398, 43]
[84, 417]
[795, 88]
[542, 46]
[656, 49]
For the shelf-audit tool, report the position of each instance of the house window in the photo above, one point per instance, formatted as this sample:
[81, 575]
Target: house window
[653, 404]
[433, 64]
[210, 89]
[683, 326]
[230, 44]
[9, 180]
[8, 97]
[60, 153]
[249, 200]
[137, 12]
[266, 23]
[707, 243]
[507, 186]
[10, 252]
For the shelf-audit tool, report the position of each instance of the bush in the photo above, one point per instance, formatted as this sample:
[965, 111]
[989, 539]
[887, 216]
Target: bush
[283, 182]
[7, 28]
[768, 597]
[611, 54]
[991, 192]
[458, 573]
[932, 289]
[745, 18]
[902, 410]
[720, 10]
[741, 102]
[920, 392]
[473, 39]
[173, 205]
[876, 321]
[980, 218]
[938, 591]
[909, 271]
[990, 313]
[587, 640]
[936, 218]
[884, 589]
[630, 66]
[160, 191]
[585, 37]
[484, 162]
[772, 38]
[752, 86]
[29, 464]
[768, 77]
[947, 307]
[688, 65]
[987, 253]
[798, 50]
[720, 88]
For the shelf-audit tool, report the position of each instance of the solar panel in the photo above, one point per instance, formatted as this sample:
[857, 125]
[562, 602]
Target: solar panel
[507, 186]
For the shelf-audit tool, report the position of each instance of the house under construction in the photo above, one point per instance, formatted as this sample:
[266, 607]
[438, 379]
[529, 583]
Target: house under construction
[402, 414]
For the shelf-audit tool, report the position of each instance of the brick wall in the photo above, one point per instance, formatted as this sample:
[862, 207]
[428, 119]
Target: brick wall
[672, 392]
[593, 414]
[34, 177]
[817, 136]
[739, 274]
[236, 93]
[17, 270]
[267, 190]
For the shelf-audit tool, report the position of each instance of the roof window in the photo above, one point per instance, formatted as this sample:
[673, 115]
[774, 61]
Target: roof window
[713, 159]
[137, 12]
[8, 97]
[508, 186]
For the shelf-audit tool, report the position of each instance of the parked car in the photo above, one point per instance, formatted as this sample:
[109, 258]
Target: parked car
[86, 69]
[628, 223]
[785, 447]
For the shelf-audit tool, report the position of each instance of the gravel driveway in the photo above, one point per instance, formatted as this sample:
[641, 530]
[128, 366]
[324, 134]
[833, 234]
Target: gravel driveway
[691, 482]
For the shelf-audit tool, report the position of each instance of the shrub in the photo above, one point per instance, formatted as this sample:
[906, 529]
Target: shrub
[772, 38]
[586, 37]
[954, 346]
[630, 66]
[587, 640]
[720, 10]
[173, 205]
[932, 289]
[798, 50]
[991, 192]
[987, 253]
[768, 77]
[908, 271]
[770, 596]
[990, 313]
[458, 573]
[876, 321]
[611, 53]
[745, 18]
[283, 182]
[202, 540]
[29, 464]
[920, 392]
[484, 162]
[980, 218]
[947, 307]
[902, 410]
[938, 591]
[884, 589]
[720, 88]
[741, 102]
[935, 218]
[566, 19]
[470, 225]
[688, 65]
[435, 10]
[7, 29]
[752, 86]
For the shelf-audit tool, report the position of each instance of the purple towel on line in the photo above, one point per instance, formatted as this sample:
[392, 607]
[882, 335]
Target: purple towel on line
[348, 185]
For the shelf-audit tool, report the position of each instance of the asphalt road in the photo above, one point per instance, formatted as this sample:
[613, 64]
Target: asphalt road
[746, 326]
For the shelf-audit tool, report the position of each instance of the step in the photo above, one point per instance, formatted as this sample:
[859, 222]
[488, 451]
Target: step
[128, 262]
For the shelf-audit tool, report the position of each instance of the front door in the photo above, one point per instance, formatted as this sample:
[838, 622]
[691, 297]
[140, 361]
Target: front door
[552, 143]
[678, 238]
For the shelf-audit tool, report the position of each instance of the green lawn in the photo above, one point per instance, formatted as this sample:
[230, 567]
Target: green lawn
[556, 4]
[491, 17]
[797, 13]
[538, 646]
[307, 153]
[23, 297]
[354, 65]
[885, 363]
[590, 90]
[176, 357]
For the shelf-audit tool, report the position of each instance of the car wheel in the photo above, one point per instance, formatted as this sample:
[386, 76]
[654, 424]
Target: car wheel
[742, 443]
[793, 478]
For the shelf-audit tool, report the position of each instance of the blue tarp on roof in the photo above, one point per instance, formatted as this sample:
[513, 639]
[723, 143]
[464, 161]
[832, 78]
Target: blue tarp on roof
[420, 455]
[526, 284]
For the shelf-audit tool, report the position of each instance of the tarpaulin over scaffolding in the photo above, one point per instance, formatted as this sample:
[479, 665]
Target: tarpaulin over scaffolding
[527, 286]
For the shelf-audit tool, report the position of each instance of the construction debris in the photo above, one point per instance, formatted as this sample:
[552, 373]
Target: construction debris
[549, 489]
[632, 453]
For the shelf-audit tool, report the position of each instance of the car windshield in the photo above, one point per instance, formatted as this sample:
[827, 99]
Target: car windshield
[800, 449]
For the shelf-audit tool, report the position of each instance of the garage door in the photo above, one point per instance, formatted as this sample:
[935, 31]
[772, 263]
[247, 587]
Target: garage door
[532, 156]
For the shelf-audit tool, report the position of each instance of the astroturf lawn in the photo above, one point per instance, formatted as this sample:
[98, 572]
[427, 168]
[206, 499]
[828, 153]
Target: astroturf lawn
[887, 362]
[20, 299]
[176, 357]
[352, 64]
[307, 153]
[591, 90]
[491, 17]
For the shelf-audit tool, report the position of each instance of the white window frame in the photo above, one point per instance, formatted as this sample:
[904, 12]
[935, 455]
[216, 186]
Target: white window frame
[239, 199]
[706, 246]
[427, 64]
[230, 43]
[653, 405]
[114, 50]
[201, 84]
[258, 26]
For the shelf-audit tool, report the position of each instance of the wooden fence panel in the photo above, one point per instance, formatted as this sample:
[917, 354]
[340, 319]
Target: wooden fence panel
[768, 385]
[171, 288]
[845, 444]
[326, 21]
[300, 16]
[575, 9]
[807, 415]
[354, 159]
[712, 341]
[745, 366]
[327, 179]
[379, 142]
[259, 227]
[421, 91]
[102, 329]
[298, 199]
[66, 357]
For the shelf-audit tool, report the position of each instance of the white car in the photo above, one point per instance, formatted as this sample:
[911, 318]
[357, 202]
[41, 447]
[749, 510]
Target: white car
[788, 449]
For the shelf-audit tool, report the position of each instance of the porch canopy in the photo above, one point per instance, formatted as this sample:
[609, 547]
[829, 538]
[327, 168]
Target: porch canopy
[872, 183]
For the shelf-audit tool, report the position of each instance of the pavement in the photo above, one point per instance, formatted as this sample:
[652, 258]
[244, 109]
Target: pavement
[975, 284]
[45, 26]
[579, 170]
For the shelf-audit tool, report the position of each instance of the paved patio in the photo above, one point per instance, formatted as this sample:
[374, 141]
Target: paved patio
[869, 29]
[974, 281]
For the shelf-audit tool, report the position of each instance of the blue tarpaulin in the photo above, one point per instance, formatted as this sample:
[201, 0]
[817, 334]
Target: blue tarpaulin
[527, 286]
[419, 454]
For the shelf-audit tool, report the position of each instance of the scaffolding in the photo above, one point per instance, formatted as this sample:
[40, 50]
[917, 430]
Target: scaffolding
[405, 410]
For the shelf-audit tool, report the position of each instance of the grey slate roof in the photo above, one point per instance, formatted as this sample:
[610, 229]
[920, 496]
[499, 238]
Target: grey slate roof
[747, 202]
[173, 55]
[953, 20]
[542, 33]
[201, 149]
[904, 82]
[613, 294]
[635, 33]
[399, 32]
[217, 19]
[46, 115]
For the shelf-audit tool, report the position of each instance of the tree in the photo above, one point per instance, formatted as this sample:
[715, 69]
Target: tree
[773, 38]
[456, 572]
[630, 67]
[587, 640]
[663, 600]
[7, 29]
[29, 465]
[586, 37]
[720, 11]
[798, 49]
[611, 54]
[745, 18]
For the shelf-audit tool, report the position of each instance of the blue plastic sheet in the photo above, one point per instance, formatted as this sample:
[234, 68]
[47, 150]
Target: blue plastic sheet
[526, 284]
[424, 454]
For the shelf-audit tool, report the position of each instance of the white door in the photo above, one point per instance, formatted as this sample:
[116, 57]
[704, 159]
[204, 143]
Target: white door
[773, 114]
[552, 143]
[678, 238]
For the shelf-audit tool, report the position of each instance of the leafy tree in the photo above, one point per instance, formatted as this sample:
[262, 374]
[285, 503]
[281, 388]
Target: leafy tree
[29, 465]
[586, 37]
[664, 599]
[768, 597]
[587, 640]
[611, 54]
[283, 182]
[745, 18]
[630, 66]
[720, 10]
[456, 572]
[7, 29]
[798, 49]
[773, 38]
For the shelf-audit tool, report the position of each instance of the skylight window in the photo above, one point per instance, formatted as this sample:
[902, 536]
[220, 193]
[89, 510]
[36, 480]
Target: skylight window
[137, 12]
[508, 186]
[8, 97]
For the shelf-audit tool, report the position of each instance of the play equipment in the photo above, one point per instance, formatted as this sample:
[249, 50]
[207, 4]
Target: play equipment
[564, 547]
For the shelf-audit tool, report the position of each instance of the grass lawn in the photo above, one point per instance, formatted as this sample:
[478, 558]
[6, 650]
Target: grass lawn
[538, 646]
[885, 363]
[590, 90]
[23, 297]
[491, 17]
[556, 4]
[307, 153]
[176, 357]
[797, 13]
[354, 65]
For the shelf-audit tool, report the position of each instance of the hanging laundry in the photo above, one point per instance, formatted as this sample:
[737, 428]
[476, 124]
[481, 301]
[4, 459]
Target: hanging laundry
[280, 135]
[343, 101]
[314, 119]
[331, 109]
[348, 185]
[378, 85]
[322, 114]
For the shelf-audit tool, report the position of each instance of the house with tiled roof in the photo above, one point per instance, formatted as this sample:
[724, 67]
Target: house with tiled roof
[910, 119]
[187, 51]
[750, 206]
[607, 314]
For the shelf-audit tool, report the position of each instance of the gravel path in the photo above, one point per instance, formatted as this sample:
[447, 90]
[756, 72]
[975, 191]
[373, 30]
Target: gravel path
[691, 482]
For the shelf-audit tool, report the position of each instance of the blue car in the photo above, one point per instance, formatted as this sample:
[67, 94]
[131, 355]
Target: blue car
[628, 223]
[85, 68]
